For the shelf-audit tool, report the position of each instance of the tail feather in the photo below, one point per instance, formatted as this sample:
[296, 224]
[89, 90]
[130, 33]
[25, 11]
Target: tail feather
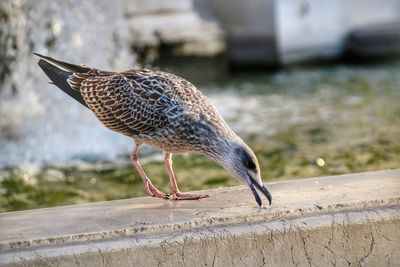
[64, 65]
[59, 72]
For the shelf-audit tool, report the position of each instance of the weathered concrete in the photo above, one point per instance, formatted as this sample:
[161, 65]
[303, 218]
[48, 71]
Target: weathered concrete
[280, 32]
[342, 220]
[326, 25]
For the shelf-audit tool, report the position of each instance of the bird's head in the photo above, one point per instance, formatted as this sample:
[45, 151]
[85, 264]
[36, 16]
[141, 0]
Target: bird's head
[241, 162]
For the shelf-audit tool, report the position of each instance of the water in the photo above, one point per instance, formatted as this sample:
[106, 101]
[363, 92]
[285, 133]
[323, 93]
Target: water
[301, 122]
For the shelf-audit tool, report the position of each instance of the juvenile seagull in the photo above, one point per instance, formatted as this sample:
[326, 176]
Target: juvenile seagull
[162, 110]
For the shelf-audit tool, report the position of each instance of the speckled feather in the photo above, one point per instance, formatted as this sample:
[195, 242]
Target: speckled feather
[153, 107]
[162, 110]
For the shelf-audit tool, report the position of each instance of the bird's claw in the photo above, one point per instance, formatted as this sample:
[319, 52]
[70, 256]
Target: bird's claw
[154, 192]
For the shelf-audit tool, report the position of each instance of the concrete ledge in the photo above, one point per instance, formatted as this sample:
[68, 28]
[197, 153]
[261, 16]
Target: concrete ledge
[341, 220]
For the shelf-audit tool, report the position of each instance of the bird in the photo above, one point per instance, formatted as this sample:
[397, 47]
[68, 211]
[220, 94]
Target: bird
[162, 110]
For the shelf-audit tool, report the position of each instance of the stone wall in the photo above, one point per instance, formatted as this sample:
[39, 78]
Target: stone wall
[117, 30]
[347, 220]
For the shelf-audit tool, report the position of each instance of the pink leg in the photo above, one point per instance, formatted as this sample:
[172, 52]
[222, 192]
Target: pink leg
[177, 194]
[150, 188]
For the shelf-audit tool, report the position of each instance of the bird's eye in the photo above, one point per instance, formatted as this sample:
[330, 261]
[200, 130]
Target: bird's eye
[251, 165]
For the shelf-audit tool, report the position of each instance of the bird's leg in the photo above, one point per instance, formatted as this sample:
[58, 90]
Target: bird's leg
[177, 194]
[150, 188]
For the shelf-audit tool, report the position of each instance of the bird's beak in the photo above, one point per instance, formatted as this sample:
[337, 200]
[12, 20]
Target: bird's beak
[253, 184]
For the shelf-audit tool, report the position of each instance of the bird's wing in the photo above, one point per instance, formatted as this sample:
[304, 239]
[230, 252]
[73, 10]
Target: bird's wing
[194, 106]
[129, 103]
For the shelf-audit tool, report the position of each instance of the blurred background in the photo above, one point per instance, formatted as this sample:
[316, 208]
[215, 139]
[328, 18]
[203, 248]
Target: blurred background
[313, 86]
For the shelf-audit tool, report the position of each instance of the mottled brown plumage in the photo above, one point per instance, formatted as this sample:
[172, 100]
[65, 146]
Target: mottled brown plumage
[160, 109]
[155, 108]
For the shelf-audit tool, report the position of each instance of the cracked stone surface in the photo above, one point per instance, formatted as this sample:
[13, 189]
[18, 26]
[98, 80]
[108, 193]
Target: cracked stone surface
[347, 220]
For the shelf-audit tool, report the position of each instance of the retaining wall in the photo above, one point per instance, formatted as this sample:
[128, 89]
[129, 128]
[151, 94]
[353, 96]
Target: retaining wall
[347, 220]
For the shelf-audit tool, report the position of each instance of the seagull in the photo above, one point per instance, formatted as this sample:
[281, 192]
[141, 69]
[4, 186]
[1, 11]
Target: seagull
[162, 110]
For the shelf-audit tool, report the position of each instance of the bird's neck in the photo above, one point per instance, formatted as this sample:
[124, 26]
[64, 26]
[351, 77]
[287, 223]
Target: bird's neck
[221, 148]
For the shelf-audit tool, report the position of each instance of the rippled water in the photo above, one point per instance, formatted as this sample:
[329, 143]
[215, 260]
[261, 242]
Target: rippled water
[353, 103]
[301, 122]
